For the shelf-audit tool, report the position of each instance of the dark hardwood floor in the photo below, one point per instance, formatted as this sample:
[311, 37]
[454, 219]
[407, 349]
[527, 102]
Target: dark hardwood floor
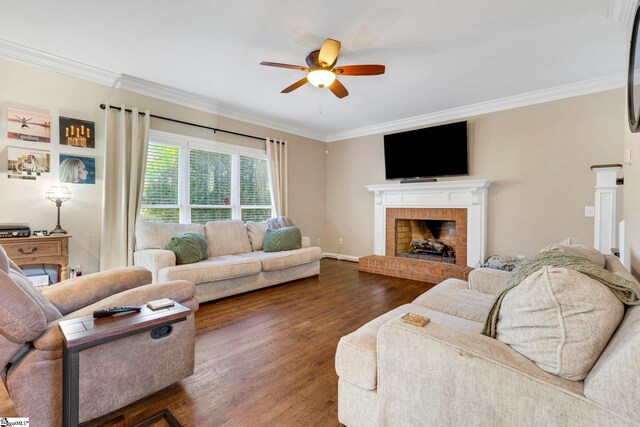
[266, 358]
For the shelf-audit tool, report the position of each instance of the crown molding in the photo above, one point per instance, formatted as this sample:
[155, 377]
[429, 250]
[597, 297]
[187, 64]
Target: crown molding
[531, 98]
[620, 11]
[210, 105]
[55, 63]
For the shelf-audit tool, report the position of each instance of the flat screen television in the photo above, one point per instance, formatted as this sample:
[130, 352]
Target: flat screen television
[427, 153]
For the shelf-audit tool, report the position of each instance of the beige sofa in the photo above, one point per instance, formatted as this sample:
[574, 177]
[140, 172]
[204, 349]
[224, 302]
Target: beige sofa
[447, 373]
[236, 260]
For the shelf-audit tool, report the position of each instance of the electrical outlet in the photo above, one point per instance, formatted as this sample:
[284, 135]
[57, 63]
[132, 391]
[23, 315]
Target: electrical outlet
[589, 211]
[340, 241]
[318, 241]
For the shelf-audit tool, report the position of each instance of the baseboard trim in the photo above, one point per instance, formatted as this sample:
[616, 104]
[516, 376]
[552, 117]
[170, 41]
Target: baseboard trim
[340, 257]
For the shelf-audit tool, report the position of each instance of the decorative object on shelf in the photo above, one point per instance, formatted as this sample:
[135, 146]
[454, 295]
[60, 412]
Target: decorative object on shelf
[77, 133]
[58, 194]
[77, 169]
[27, 164]
[28, 125]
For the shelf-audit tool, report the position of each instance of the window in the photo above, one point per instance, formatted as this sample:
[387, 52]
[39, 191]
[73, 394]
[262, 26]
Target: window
[195, 181]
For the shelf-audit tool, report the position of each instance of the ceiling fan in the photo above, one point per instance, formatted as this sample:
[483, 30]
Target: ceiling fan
[321, 70]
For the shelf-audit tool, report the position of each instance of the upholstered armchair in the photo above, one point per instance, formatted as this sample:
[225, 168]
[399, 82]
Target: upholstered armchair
[112, 375]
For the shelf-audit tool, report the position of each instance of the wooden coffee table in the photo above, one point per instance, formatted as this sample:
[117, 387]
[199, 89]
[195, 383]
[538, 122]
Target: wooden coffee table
[86, 332]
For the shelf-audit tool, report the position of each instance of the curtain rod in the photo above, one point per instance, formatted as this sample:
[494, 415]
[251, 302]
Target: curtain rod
[103, 106]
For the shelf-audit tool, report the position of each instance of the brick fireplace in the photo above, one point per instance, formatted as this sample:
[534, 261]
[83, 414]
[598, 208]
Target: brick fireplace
[427, 217]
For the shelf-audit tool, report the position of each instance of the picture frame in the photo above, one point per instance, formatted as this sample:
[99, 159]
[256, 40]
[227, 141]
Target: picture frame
[77, 133]
[25, 163]
[77, 169]
[28, 125]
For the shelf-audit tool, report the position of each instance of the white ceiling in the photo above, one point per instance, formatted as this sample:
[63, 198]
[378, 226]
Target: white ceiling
[440, 55]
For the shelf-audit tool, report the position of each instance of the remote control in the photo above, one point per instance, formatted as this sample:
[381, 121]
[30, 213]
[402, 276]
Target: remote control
[115, 310]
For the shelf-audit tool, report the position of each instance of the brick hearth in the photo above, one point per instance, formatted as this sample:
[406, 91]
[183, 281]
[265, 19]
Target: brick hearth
[422, 271]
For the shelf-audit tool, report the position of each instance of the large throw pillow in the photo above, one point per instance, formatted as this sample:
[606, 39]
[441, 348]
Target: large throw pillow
[256, 232]
[591, 254]
[279, 222]
[282, 239]
[560, 319]
[189, 247]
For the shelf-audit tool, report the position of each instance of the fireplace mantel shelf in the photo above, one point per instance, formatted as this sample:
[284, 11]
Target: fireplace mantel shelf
[470, 194]
[468, 184]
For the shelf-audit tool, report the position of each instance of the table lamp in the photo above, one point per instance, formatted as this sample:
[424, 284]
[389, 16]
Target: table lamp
[58, 194]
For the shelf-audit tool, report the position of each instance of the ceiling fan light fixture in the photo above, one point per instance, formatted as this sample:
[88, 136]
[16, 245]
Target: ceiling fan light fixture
[321, 78]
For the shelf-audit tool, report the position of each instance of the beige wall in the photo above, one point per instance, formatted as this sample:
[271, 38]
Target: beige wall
[538, 157]
[37, 89]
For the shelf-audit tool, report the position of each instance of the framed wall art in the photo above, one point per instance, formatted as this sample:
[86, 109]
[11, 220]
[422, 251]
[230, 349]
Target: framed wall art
[77, 169]
[77, 133]
[28, 125]
[27, 164]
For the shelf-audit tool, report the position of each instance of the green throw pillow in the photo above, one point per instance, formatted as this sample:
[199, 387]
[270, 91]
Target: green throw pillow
[189, 247]
[282, 239]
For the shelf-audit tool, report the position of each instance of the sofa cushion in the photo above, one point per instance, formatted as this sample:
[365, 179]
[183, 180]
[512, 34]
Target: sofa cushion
[14, 277]
[279, 222]
[272, 261]
[227, 237]
[50, 311]
[156, 235]
[282, 239]
[189, 247]
[454, 297]
[212, 269]
[256, 231]
[591, 254]
[560, 319]
[356, 356]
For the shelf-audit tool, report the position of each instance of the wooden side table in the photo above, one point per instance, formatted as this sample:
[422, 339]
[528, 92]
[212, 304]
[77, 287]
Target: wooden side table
[86, 332]
[40, 250]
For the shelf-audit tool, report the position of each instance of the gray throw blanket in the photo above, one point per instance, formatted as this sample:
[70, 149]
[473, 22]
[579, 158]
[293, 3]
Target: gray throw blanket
[627, 291]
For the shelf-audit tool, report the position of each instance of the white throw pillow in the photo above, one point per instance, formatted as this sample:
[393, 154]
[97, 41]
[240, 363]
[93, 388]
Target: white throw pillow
[592, 254]
[256, 231]
[560, 319]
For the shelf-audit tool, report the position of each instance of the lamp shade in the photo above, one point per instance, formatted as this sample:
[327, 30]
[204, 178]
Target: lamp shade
[58, 193]
[321, 78]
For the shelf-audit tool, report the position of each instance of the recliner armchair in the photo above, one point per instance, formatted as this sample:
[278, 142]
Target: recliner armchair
[112, 375]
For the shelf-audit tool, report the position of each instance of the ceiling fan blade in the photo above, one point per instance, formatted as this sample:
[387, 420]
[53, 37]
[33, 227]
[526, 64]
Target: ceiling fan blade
[295, 86]
[360, 70]
[329, 53]
[338, 89]
[279, 65]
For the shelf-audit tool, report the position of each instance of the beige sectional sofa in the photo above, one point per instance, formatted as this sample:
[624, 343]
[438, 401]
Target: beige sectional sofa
[236, 260]
[447, 373]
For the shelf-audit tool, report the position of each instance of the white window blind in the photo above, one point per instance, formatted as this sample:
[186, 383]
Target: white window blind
[161, 184]
[196, 183]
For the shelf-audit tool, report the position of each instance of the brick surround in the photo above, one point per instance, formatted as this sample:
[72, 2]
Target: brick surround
[421, 270]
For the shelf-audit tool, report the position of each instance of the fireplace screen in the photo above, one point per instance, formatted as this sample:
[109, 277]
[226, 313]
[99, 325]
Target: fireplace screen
[431, 240]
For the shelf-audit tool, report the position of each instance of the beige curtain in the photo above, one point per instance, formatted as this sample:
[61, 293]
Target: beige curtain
[127, 139]
[277, 167]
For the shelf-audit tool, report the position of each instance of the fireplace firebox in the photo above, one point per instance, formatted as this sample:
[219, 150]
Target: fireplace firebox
[426, 239]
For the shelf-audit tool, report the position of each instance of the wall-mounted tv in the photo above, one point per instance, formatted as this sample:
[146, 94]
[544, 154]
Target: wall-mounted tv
[427, 153]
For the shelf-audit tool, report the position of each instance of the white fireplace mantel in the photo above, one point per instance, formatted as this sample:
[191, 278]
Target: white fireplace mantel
[469, 194]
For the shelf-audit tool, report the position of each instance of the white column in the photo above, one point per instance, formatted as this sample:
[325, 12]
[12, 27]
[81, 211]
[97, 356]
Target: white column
[605, 222]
